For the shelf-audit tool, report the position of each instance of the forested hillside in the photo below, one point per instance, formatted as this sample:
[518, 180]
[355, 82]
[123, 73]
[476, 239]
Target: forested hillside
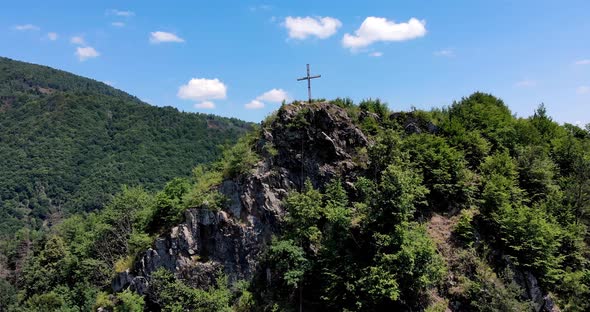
[68, 143]
[332, 206]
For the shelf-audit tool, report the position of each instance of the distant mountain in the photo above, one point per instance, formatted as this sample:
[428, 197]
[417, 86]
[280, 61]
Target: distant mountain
[68, 142]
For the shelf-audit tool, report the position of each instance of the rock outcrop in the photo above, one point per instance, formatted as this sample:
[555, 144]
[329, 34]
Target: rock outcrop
[310, 141]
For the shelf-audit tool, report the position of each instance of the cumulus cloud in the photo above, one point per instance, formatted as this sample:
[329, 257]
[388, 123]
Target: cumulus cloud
[85, 53]
[526, 83]
[122, 13]
[583, 62]
[78, 40]
[201, 89]
[445, 53]
[375, 29]
[26, 27]
[304, 27]
[274, 96]
[52, 36]
[583, 90]
[254, 104]
[118, 24]
[162, 36]
[376, 54]
[205, 105]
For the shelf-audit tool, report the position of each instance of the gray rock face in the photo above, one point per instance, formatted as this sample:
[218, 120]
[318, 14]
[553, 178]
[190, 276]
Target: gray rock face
[542, 302]
[534, 292]
[121, 281]
[315, 140]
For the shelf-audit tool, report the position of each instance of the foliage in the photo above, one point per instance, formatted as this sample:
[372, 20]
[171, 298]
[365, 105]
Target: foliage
[464, 230]
[7, 295]
[441, 166]
[169, 206]
[68, 143]
[129, 302]
[104, 301]
[245, 300]
[173, 295]
[238, 159]
[515, 193]
[481, 289]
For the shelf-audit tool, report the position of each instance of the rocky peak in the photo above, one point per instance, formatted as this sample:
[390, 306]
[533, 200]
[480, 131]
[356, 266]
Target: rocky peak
[314, 141]
[302, 141]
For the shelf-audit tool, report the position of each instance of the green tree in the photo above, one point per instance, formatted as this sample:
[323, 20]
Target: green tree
[129, 302]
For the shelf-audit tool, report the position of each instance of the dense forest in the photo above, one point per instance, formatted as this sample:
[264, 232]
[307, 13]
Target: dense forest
[68, 143]
[462, 208]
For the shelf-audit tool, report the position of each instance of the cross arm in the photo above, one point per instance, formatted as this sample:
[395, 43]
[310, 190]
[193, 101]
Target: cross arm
[310, 77]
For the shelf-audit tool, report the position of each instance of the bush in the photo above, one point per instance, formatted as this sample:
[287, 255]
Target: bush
[124, 264]
[129, 302]
[464, 230]
[170, 205]
[173, 295]
[103, 300]
[238, 159]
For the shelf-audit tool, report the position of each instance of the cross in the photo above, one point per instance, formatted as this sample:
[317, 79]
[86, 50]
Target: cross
[309, 78]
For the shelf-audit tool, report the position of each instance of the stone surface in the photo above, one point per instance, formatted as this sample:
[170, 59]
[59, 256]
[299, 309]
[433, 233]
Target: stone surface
[313, 142]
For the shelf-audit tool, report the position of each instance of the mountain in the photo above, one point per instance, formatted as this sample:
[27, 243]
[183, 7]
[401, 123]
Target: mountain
[331, 206]
[68, 143]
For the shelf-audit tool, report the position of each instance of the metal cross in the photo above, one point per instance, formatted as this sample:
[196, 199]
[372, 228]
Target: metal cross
[309, 78]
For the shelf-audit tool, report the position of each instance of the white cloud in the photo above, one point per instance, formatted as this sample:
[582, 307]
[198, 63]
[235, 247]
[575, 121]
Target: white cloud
[583, 62]
[26, 27]
[78, 40]
[303, 27]
[376, 54]
[200, 89]
[118, 24]
[122, 13]
[254, 104]
[161, 36]
[274, 96]
[445, 53]
[110, 83]
[375, 29]
[85, 53]
[526, 83]
[52, 36]
[205, 105]
[583, 90]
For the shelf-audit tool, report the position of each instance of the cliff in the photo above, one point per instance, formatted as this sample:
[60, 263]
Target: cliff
[316, 142]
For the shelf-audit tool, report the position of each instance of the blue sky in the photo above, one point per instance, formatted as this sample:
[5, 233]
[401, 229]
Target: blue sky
[242, 57]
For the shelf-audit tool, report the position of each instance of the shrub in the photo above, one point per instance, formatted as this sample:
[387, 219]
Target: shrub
[124, 264]
[103, 300]
[464, 230]
[238, 159]
[129, 302]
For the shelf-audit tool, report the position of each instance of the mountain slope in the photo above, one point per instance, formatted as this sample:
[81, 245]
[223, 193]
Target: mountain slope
[330, 206]
[67, 143]
[462, 209]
